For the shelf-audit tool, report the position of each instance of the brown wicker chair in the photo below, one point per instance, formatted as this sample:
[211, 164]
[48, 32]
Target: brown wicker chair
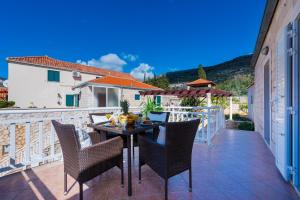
[175, 156]
[86, 163]
[112, 135]
[107, 135]
[154, 133]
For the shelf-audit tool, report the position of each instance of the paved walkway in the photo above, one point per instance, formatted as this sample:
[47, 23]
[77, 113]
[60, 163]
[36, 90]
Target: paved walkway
[238, 166]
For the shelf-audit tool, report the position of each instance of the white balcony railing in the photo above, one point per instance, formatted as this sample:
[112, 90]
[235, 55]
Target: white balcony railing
[212, 120]
[28, 139]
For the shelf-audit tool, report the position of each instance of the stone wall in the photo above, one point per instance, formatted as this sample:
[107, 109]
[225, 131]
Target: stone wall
[37, 119]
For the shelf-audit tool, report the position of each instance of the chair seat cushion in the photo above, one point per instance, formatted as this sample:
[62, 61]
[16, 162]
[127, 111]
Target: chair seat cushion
[98, 119]
[161, 117]
[84, 138]
[162, 135]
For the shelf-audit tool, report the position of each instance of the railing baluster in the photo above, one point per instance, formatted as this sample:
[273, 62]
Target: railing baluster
[40, 124]
[203, 125]
[52, 141]
[12, 144]
[208, 126]
[27, 143]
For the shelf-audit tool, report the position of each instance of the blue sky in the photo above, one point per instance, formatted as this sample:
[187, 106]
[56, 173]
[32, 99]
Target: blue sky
[130, 35]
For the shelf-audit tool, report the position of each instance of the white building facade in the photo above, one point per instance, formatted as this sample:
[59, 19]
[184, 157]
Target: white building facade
[276, 89]
[44, 82]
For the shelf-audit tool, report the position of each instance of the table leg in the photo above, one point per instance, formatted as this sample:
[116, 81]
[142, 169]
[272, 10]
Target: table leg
[129, 165]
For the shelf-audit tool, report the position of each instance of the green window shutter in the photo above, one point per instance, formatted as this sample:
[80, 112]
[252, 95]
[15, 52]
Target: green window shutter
[76, 100]
[158, 100]
[57, 76]
[53, 76]
[69, 100]
[137, 97]
[50, 78]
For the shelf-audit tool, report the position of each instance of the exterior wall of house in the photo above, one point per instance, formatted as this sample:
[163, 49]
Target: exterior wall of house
[29, 86]
[287, 11]
[89, 100]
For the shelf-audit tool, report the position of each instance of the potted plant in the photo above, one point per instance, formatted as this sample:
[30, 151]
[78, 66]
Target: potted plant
[150, 106]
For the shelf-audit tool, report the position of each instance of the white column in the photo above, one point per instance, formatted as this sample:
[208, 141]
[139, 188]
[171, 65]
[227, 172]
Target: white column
[93, 96]
[208, 96]
[230, 108]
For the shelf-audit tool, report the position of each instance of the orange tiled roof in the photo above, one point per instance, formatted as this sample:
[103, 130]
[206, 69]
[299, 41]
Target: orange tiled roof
[123, 82]
[200, 82]
[63, 65]
[3, 90]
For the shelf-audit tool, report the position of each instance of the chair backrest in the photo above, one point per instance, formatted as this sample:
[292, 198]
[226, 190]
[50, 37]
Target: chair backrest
[69, 143]
[159, 116]
[180, 138]
[98, 117]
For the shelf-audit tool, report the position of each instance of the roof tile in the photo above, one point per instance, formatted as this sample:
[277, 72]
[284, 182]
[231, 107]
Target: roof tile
[123, 82]
[63, 65]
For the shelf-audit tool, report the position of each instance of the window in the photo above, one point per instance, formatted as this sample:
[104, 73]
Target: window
[69, 100]
[158, 100]
[53, 76]
[112, 97]
[137, 97]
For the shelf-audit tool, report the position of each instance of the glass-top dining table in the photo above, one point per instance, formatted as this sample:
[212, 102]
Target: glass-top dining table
[128, 132]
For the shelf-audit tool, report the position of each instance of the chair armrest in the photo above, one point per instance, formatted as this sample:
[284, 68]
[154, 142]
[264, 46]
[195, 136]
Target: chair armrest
[100, 152]
[144, 140]
[95, 137]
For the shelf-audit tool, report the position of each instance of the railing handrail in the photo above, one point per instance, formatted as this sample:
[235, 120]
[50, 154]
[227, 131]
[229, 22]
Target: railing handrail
[40, 110]
[193, 107]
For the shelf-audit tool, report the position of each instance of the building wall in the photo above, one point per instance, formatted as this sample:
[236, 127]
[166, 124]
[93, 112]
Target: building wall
[29, 86]
[287, 11]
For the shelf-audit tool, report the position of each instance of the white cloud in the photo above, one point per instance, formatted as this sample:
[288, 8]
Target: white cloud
[109, 61]
[142, 70]
[130, 57]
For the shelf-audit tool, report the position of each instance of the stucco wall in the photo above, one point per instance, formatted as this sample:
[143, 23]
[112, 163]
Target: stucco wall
[28, 85]
[287, 11]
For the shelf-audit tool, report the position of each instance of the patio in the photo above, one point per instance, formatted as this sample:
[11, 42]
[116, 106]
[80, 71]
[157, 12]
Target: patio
[237, 165]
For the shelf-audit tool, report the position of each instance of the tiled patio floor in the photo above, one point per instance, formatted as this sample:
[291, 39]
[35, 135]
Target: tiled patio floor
[237, 166]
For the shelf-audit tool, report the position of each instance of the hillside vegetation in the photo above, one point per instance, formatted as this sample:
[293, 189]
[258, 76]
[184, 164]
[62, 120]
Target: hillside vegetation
[234, 75]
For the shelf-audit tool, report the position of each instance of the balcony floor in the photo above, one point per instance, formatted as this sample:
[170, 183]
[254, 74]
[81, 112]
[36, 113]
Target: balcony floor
[237, 166]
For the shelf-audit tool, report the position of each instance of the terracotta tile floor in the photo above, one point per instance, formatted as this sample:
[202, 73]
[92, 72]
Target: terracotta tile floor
[237, 166]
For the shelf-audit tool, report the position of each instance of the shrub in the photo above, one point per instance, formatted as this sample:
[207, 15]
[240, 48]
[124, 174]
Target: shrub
[248, 126]
[6, 104]
[237, 117]
[190, 101]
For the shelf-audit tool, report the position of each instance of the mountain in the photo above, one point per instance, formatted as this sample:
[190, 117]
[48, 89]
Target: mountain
[218, 73]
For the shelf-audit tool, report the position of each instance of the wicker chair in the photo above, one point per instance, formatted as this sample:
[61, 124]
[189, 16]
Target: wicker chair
[112, 135]
[103, 136]
[173, 157]
[86, 163]
[154, 133]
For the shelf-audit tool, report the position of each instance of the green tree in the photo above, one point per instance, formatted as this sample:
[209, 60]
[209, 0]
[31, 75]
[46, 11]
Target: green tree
[201, 72]
[160, 81]
[238, 85]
